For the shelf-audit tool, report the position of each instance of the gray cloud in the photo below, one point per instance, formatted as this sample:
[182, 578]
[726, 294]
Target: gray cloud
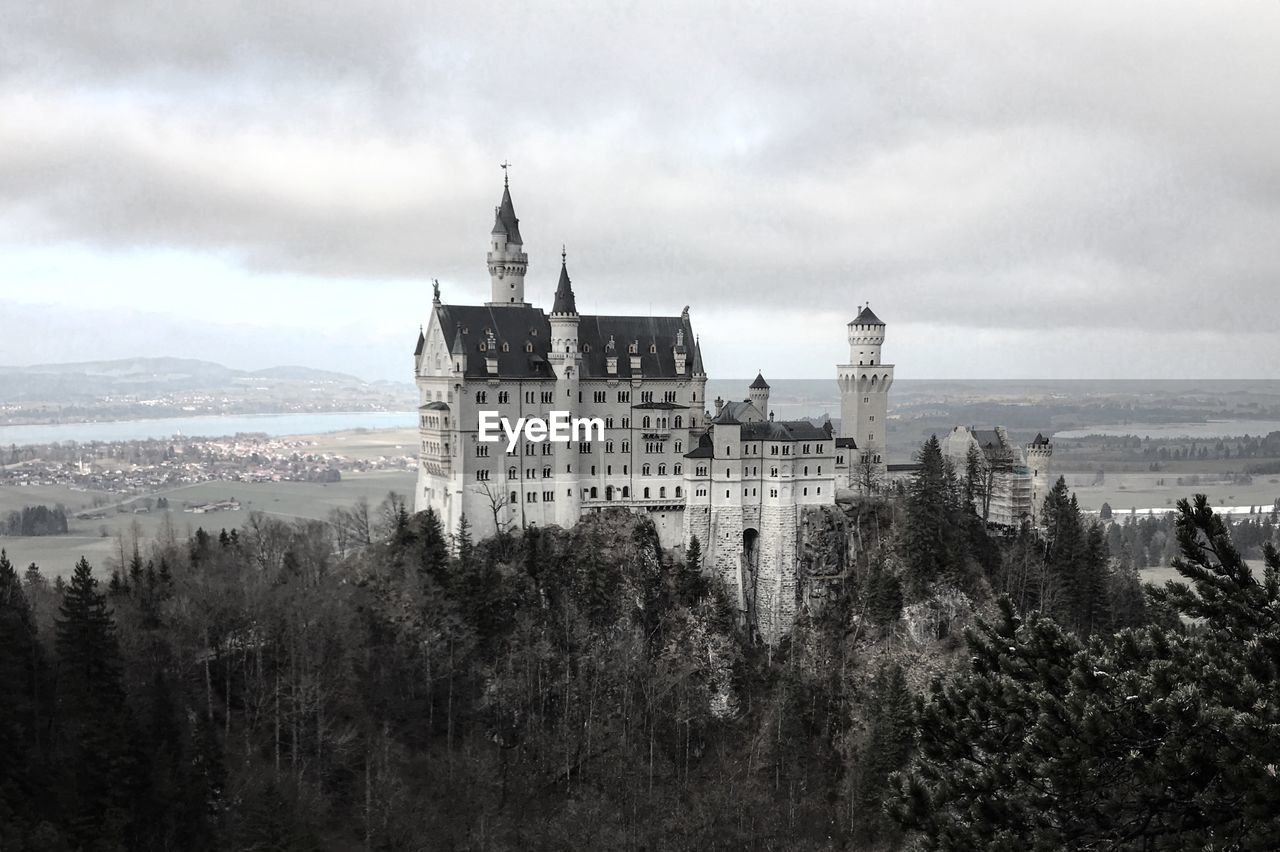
[962, 165]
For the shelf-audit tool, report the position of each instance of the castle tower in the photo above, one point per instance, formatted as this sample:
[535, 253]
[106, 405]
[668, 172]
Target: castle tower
[1039, 454]
[758, 395]
[864, 389]
[565, 358]
[507, 260]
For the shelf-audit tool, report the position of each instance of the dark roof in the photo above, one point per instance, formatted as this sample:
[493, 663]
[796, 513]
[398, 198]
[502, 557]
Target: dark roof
[866, 317]
[437, 405]
[734, 412]
[1040, 440]
[988, 439]
[505, 221]
[522, 327]
[665, 406]
[698, 369]
[704, 450]
[422, 341]
[847, 443]
[564, 303]
[759, 382]
[783, 430]
[903, 468]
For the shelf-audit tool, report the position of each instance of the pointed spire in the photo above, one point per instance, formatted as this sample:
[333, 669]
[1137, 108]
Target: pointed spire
[759, 382]
[458, 348]
[564, 303]
[698, 369]
[504, 219]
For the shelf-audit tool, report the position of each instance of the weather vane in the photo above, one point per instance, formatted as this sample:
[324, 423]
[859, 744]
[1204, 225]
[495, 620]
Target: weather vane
[505, 174]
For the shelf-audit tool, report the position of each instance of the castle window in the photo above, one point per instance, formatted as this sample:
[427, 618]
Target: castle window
[662, 470]
[871, 418]
[546, 449]
[646, 396]
[514, 497]
[679, 491]
[608, 421]
[626, 492]
[677, 469]
[593, 470]
[547, 396]
[644, 471]
[608, 446]
[662, 492]
[624, 396]
[679, 420]
[806, 470]
[528, 347]
[482, 475]
[506, 347]
[653, 350]
[593, 493]
[503, 397]
[511, 473]
[839, 459]
[546, 473]
[482, 451]
[819, 489]
[481, 397]
[645, 423]
[626, 424]
[646, 494]
[626, 446]
[679, 446]
[806, 492]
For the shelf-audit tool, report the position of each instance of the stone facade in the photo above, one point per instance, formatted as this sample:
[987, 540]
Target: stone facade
[1016, 477]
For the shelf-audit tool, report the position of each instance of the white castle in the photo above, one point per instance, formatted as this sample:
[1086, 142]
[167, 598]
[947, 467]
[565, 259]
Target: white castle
[739, 480]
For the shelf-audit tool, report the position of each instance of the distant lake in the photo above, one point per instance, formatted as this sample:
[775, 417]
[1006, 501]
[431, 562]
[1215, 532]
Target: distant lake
[211, 426]
[1211, 430]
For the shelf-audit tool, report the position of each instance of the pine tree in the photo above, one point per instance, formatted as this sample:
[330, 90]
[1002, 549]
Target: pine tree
[691, 585]
[92, 725]
[21, 672]
[890, 740]
[933, 547]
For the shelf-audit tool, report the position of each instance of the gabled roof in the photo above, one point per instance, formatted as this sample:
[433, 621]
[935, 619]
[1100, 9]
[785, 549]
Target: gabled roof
[866, 317]
[524, 327]
[846, 443]
[783, 430]
[435, 405]
[505, 221]
[1040, 440]
[704, 450]
[759, 382]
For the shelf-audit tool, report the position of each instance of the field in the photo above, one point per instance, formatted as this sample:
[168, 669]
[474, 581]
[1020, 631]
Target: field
[1144, 491]
[58, 554]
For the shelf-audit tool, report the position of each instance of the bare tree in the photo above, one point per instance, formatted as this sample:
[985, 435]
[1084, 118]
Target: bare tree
[498, 500]
[868, 475]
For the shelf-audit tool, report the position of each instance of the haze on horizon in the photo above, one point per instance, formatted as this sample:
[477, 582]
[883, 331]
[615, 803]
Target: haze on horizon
[1020, 191]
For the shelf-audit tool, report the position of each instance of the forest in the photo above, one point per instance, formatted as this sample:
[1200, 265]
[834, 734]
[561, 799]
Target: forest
[295, 686]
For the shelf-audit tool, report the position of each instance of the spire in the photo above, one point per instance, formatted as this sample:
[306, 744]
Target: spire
[504, 220]
[564, 303]
[458, 347]
[698, 369]
[759, 382]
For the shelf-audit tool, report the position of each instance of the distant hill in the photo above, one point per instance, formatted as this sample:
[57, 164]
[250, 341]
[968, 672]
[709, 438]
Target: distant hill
[61, 383]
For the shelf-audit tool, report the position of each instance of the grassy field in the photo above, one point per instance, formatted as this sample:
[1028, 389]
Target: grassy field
[1126, 490]
[58, 554]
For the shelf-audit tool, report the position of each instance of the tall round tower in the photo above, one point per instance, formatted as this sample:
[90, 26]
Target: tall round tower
[507, 260]
[566, 360]
[864, 389]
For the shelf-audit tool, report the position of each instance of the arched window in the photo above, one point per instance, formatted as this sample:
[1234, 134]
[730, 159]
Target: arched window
[514, 497]
[593, 492]
[679, 491]
[608, 492]
[645, 422]
[511, 473]
[626, 492]
[662, 470]
[679, 420]
[662, 492]
[644, 471]
[646, 493]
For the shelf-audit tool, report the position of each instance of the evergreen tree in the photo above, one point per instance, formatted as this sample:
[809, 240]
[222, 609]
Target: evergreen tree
[933, 547]
[890, 739]
[691, 585]
[21, 673]
[92, 735]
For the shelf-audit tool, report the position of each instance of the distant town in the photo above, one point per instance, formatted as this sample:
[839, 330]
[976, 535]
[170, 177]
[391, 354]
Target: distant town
[126, 469]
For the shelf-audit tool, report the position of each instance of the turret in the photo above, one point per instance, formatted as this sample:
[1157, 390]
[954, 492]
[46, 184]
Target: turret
[758, 395]
[507, 260]
[1039, 455]
[564, 325]
[866, 336]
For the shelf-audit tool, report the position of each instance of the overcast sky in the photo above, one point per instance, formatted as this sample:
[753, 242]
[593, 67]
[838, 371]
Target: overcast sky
[1067, 190]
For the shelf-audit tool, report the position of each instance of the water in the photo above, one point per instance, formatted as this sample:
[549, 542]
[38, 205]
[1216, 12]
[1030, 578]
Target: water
[1210, 430]
[207, 426]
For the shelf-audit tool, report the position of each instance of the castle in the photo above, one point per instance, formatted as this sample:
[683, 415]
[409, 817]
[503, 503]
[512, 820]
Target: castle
[1013, 481]
[739, 480]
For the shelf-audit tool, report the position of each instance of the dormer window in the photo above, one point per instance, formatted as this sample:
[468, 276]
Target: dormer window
[480, 346]
[528, 347]
[653, 349]
[586, 347]
[506, 347]
[632, 348]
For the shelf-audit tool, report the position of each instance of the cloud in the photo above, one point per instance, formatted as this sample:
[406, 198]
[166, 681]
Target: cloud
[963, 166]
